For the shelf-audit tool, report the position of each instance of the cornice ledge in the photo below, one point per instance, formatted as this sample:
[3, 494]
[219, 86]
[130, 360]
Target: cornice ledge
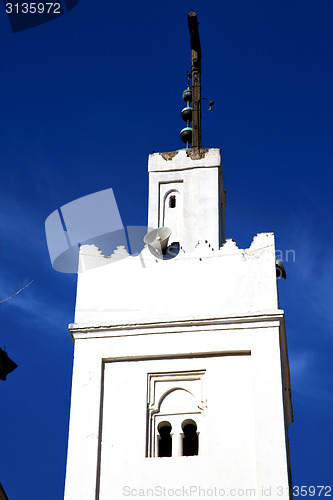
[276, 315]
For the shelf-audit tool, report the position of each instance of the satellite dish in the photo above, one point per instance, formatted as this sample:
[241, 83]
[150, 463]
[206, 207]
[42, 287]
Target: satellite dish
[158, 239]
[280, 270]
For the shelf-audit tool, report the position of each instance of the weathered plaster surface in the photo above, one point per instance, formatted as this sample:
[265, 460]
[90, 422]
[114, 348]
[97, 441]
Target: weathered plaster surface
[200, 284]
[197, 177]
[213, 310]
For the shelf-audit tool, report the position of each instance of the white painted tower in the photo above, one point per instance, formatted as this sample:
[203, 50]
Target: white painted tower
[181, 378]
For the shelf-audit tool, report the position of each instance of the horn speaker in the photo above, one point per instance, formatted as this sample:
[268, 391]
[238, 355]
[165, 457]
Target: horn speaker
[158, 238]
[280, 270]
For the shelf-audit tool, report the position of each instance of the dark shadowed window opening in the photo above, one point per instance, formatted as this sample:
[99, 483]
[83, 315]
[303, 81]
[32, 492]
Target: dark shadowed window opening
[172, 202]
[190, 439]
[164, 440]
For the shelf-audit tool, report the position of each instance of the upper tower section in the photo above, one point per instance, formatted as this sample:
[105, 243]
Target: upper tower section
[186, 193]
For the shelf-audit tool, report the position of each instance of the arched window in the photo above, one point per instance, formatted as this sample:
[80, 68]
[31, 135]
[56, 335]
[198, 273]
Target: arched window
[172, 213]
[164, 440]
[175, 420]
[190, 439]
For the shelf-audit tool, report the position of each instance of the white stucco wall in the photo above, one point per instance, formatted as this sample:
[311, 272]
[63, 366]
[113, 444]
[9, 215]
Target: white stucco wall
[200, 185]
[206, 310]
[204, 283]
[244, 416]
[211, 310]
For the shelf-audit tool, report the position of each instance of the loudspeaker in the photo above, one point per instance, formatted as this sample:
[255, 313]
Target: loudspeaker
[158, 239]
[280, 270]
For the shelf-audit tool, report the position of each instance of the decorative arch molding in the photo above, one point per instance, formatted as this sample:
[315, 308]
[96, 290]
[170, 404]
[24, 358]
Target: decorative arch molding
[191, 401]
[171, 192]
[171, 208]
[175, 398]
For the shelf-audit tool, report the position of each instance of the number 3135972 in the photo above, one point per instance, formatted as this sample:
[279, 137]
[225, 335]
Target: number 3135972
[33, 8]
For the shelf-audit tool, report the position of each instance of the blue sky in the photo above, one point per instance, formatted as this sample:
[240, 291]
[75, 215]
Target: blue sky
[85, 98]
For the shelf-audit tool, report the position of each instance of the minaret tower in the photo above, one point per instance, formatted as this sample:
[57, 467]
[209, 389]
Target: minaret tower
[181, 378]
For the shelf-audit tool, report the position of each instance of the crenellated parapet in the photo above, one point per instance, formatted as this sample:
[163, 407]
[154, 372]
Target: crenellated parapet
[198, 284]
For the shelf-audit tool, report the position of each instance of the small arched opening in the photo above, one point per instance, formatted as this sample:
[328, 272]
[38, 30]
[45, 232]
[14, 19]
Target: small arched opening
[164, 440]
[190, 439]
[172, 201]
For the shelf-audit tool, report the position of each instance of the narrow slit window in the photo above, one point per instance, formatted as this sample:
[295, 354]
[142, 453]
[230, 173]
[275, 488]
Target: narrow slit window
[190, 439]
[164, 440]
[172, 201]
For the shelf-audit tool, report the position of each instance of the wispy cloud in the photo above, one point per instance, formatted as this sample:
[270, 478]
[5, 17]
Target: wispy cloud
[300, 363]
[24, 257]
[308, 371]
[37, 305]
[310, 278]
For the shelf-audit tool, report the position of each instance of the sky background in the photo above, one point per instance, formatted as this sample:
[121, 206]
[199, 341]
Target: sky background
[84, 99]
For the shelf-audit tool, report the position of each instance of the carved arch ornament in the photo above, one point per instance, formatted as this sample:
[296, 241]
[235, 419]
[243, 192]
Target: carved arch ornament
[174, 397]
[173, 192]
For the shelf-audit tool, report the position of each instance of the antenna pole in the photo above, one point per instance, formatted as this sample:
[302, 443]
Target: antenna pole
[193, 27]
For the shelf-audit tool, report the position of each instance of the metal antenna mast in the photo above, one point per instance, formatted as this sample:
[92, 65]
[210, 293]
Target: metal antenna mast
[193, 26]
